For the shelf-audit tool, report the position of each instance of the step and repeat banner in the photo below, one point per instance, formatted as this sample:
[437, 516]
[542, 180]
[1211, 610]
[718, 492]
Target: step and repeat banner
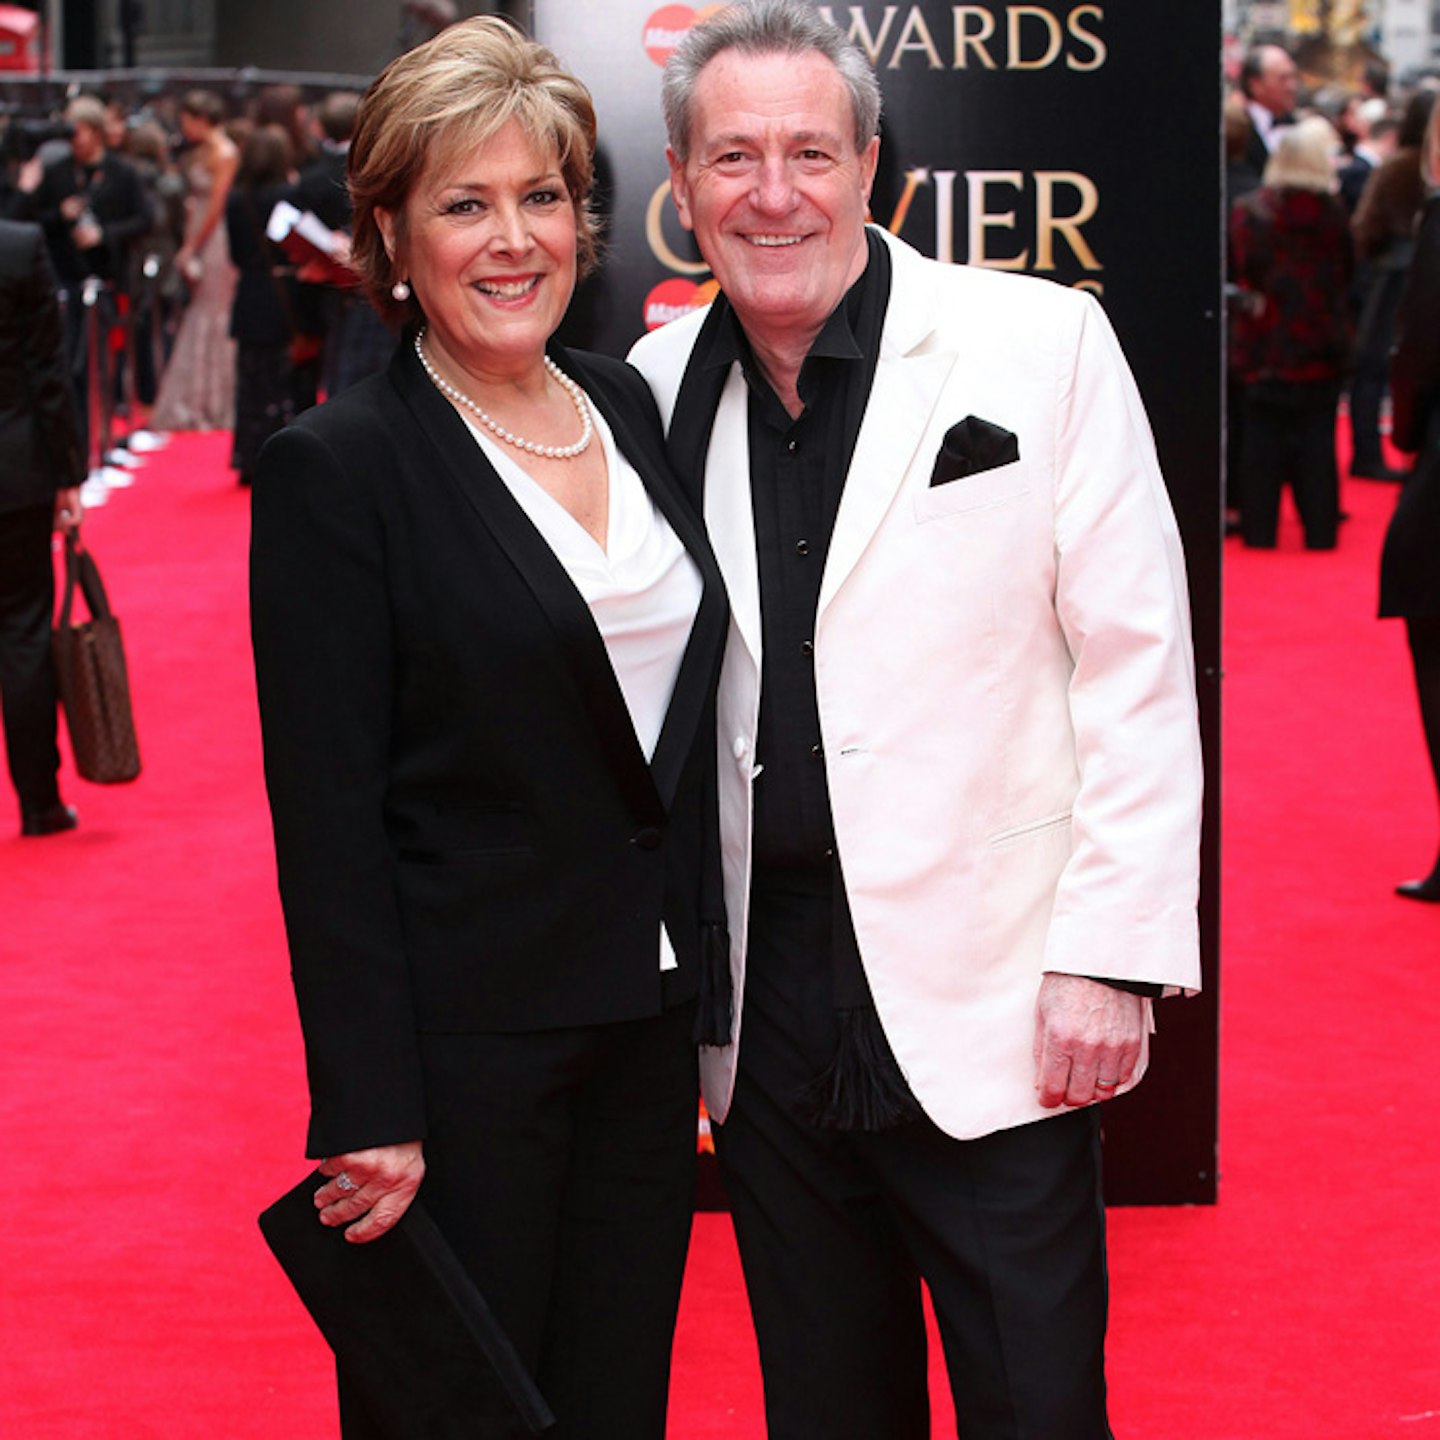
[1080, 142]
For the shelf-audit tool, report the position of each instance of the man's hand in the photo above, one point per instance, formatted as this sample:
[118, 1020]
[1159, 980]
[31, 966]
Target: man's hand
[369, 1190]
[1087, 1040]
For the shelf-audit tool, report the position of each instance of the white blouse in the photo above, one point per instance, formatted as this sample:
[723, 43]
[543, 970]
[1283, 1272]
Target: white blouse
[642, 587]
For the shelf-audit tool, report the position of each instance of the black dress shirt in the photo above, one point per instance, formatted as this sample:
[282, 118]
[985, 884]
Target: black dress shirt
[797, 476]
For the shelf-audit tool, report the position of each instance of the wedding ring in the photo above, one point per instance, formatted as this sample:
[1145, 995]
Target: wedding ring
[345, 1183]
[1106, 1084]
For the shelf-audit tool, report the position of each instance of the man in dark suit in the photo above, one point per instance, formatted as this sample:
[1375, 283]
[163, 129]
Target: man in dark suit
[1270, 83]
[91, 204]
[42, 463]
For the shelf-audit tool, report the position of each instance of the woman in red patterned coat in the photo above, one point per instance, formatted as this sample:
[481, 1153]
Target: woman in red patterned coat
[1292, 257]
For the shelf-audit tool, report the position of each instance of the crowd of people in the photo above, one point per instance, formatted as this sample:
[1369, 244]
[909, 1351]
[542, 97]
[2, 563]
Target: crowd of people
[156, 222]
[1324, 191]
[1334, 269]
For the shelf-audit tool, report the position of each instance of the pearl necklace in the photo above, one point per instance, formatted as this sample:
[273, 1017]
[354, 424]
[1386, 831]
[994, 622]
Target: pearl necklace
[548, 452]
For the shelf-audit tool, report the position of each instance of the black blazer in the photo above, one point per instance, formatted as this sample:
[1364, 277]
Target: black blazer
[321, 189]
[263, 310]
[468, 835]
[40, 445]
[1410, 561]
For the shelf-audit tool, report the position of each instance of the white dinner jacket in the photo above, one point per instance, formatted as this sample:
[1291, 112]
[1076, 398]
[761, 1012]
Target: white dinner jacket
[1005, 681]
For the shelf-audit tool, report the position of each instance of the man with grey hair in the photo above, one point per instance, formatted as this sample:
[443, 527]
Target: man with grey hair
[959, 774]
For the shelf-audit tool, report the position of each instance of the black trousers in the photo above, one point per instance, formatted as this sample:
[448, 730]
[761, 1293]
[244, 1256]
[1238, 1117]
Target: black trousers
[27, 675]
[1423, 634]
[561, 1168]
[1289, 437]
[836, 1231]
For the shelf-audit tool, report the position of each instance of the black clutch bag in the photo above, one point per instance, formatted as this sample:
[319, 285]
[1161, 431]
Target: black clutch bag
[410, 1331]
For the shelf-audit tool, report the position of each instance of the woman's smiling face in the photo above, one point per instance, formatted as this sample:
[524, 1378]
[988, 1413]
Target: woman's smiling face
[489, 248]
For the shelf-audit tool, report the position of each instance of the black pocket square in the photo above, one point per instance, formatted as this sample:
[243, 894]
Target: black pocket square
[971, 447]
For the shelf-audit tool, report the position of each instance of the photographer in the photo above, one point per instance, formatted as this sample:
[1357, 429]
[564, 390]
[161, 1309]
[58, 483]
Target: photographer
[90, 204]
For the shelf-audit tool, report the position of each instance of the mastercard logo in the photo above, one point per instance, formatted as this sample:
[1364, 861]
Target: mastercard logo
[671, 299]
[667, 27]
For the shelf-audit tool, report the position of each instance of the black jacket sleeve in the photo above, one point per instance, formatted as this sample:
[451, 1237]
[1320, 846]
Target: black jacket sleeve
[52, 397]
[1415, 366]
[324, 661]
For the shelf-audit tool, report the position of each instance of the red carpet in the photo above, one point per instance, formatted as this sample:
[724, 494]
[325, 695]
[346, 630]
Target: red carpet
[151, 1090]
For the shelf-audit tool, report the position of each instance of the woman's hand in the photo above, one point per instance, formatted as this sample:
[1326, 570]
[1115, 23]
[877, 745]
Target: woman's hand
[369, 1190]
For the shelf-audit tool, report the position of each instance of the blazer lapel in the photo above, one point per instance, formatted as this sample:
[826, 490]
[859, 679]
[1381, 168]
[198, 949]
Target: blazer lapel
[906, 390]
[729, 514]
[464, 462]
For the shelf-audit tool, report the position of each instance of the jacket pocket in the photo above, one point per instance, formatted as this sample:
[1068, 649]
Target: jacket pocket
[1003, 485]
[1032, 829]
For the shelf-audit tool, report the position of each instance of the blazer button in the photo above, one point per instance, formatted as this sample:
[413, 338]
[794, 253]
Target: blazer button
[646, 839]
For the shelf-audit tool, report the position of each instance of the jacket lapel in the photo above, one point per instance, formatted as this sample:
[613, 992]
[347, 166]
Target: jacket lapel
[708, 442]
[906, 390]
[462, 460]
[729, 514]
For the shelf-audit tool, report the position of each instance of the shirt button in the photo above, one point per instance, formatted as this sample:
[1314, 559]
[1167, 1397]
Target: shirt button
[802, 547]
[807, 647]
[818, 751]
[646, 839]
[792, 446]
[828, 855]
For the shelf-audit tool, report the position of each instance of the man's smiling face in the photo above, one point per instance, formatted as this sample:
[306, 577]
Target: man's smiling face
[774, 188]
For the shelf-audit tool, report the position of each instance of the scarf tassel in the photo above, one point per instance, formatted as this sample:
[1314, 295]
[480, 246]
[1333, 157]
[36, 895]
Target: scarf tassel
[862, 1088]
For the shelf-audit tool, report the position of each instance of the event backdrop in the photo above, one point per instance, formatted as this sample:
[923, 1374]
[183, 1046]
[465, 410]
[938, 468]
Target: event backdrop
[1075, 141]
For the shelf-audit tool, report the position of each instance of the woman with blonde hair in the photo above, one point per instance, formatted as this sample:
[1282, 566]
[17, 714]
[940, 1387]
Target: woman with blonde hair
[1291, 256]
[487, 632]
[1410, 563]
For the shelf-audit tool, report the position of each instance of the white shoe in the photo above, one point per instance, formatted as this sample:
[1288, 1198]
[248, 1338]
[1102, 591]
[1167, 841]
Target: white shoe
[94, 492]
[143, 441]
[123, 458]
[116, 479]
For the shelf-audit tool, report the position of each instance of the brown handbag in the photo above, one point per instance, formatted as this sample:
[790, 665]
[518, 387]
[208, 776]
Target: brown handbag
[93, 681]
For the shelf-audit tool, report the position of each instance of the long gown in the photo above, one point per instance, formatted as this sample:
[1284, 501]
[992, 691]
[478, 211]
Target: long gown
[197, 391]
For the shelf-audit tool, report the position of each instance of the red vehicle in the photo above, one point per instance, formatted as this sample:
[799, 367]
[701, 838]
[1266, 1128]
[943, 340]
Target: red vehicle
[19, 39]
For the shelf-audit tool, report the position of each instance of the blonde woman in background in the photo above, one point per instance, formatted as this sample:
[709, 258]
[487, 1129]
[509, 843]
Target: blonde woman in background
[1292, 257]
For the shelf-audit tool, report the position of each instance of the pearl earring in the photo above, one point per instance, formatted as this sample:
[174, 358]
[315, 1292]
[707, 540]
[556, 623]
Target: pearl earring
[401, 291]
